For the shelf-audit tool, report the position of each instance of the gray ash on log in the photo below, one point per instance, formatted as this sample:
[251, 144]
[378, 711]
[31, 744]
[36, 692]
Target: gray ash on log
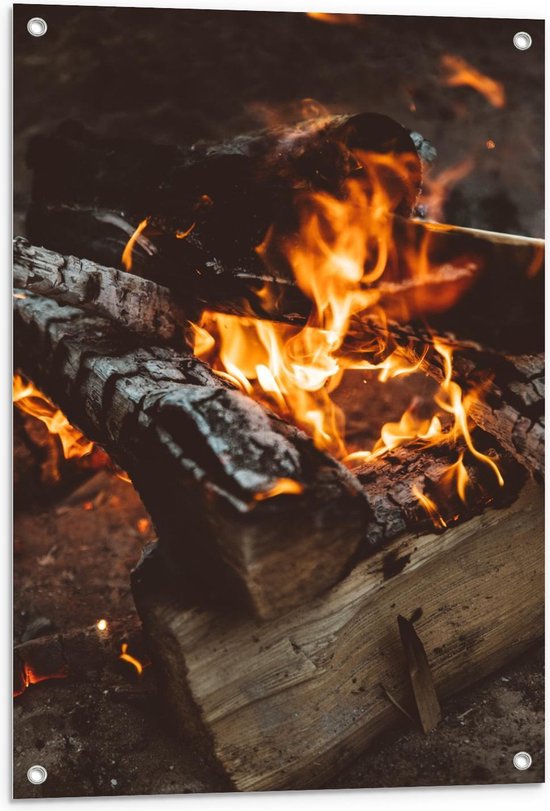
[242, 500]
[244, 503]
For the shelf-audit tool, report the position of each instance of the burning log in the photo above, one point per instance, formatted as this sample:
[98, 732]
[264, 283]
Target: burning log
[294, 698]
[511, 402]
[240, 498]
[207, 206]
[191, 219]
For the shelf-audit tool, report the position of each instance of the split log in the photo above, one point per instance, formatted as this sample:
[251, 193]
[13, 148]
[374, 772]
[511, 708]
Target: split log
[284, 704]
[239, 498]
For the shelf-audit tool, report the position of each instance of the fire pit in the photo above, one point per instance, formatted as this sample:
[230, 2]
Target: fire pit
[332, 411]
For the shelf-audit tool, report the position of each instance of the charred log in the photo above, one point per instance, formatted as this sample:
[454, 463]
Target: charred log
[89, 195]
[510, 405]
[242, 501]
[222, 197]
[135, 303]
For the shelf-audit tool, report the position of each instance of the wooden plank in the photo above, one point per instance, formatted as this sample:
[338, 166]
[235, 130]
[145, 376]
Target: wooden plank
[286, 703]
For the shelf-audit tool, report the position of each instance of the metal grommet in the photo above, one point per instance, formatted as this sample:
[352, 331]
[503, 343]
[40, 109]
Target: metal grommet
[37, 775]
[37, 27]
[522, 761]
[522, 40]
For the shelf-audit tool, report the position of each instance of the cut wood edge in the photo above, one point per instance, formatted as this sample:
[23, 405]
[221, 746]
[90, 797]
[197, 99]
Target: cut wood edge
[284, 704]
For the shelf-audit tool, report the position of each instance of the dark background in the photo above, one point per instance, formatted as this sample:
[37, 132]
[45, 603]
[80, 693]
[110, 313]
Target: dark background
[178, 76]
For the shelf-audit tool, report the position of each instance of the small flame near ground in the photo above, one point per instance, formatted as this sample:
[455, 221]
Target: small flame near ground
[30, 400]
[31, 676]
[336, 19]
[33, 402]
[127, 657]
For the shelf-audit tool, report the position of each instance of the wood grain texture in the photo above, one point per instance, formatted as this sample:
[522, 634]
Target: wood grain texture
[203, 457]
[510, 405]
[135, 303]
[287, 703]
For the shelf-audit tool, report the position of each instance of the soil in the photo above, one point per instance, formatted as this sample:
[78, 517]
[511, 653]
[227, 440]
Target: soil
[185, 75]
[110, 733]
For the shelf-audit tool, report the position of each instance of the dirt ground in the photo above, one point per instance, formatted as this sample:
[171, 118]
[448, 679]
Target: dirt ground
[181, 76]
[108, 733]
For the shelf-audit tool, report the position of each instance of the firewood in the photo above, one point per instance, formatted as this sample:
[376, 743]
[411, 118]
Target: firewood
[90, 194]
[283, 704]
[511, 403]
[239, 497]
[248, 177]
[135, 303]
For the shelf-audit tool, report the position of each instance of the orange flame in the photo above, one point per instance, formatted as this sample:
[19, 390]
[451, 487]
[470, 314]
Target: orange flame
[31, 401]
[430, 507]
[127, 657]
[460, 72]
[31, 676]
[457, 472]
[282, 486]
[343, 249]
[129, 249]
[335, 19]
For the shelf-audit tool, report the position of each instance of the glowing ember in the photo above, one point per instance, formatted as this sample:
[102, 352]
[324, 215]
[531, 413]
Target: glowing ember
[101, 625]
[490, 144]
[430, 508]
[31, 676]
[460, 72]
[143, 525]
[30, 400]
[127, 657]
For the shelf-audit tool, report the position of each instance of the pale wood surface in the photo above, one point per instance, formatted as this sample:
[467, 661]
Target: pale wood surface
[286, 703]
[135, 303]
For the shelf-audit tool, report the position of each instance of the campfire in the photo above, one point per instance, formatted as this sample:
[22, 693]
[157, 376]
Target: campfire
[330, 407]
